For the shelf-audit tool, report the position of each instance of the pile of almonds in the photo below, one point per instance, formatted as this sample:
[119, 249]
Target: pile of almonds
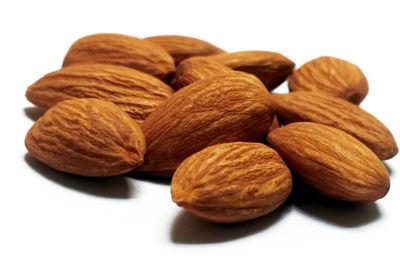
[179, 107]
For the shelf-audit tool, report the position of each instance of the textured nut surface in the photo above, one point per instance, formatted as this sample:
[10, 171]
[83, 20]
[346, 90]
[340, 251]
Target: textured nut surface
[325, 109]
[124, 51]
[270, 67]
[232, 182]
[137, 93]
[193, 69]
[225, 108]
[88, 137]
[182, 47]
[332, 161]
[334, 76]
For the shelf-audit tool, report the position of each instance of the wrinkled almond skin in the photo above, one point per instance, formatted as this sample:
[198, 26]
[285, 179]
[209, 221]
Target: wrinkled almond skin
[271, 68]
[332, 111]
[331, 161]
[232, 182]
[224, 108]
[137, 93]
[331, 75]
[182, 47]
[87, 137]
[122, 50]
[196, 68]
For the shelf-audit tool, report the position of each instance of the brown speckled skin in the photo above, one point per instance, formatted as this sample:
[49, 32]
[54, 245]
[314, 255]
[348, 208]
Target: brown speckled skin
[270, 67]
[232, 182]
[87, 137]
[196, 68]
[331, 75]
[225, 108]
[124, 51]
[331, 161]
[182, 47]
[137, 93]
[332, 111]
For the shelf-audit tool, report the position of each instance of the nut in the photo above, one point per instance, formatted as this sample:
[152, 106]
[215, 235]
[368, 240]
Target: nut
[137, 93]
[271, 68]
[124, 51]
[232, 182]
[322, 108]
[88, 137]
[331, 161]
[225, 108]
[182, 47]
[334, 76]
[196, 68]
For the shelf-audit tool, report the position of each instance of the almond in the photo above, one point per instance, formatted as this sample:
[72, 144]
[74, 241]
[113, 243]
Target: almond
[225, 108]
[232, 182]
[333, 162]
[275, 124]
[137, 93]
[182, 47]
[88, 137]
[325, 109]
[271, 68]
[124, 51]
[196, 68]
[334, 76]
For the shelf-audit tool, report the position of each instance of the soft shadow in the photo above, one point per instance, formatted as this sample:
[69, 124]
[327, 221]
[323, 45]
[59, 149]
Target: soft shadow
[110, 187]
[188, 229]
[149, 178]
[389, 168]
[334, 212]
[33, 113]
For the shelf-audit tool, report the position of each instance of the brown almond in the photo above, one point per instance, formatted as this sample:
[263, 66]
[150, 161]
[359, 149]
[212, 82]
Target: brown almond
[232, 182]
[275, 123]
[333, 162]
[122, 50]
[137, 93]
[182, 47]
[225, 108]
[196, 68]
[331, 75]
[270, 67]
[88, 137]
[322, 108]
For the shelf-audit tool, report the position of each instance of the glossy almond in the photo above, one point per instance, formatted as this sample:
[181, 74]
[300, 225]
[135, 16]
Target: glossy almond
[182, 47]
[137, 93]
[332, 161]
[331, 75]
[193, 69]
[271, 68]
[225, 108]
[325, 109]
[88, 137]
[124, 51]
[232, 182]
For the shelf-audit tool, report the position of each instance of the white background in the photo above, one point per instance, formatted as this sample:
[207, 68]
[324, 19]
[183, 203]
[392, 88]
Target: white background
[48, 216]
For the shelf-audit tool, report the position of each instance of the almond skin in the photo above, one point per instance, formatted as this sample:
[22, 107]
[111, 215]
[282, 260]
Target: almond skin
[224, 108]
[331, 161]
[137, 93]
[232, 182]
[322, 108]
[331, 75]
[275, 124]
[196, 68]
[122, 50]
[182, 47]
[271, 68]
[87, 137]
